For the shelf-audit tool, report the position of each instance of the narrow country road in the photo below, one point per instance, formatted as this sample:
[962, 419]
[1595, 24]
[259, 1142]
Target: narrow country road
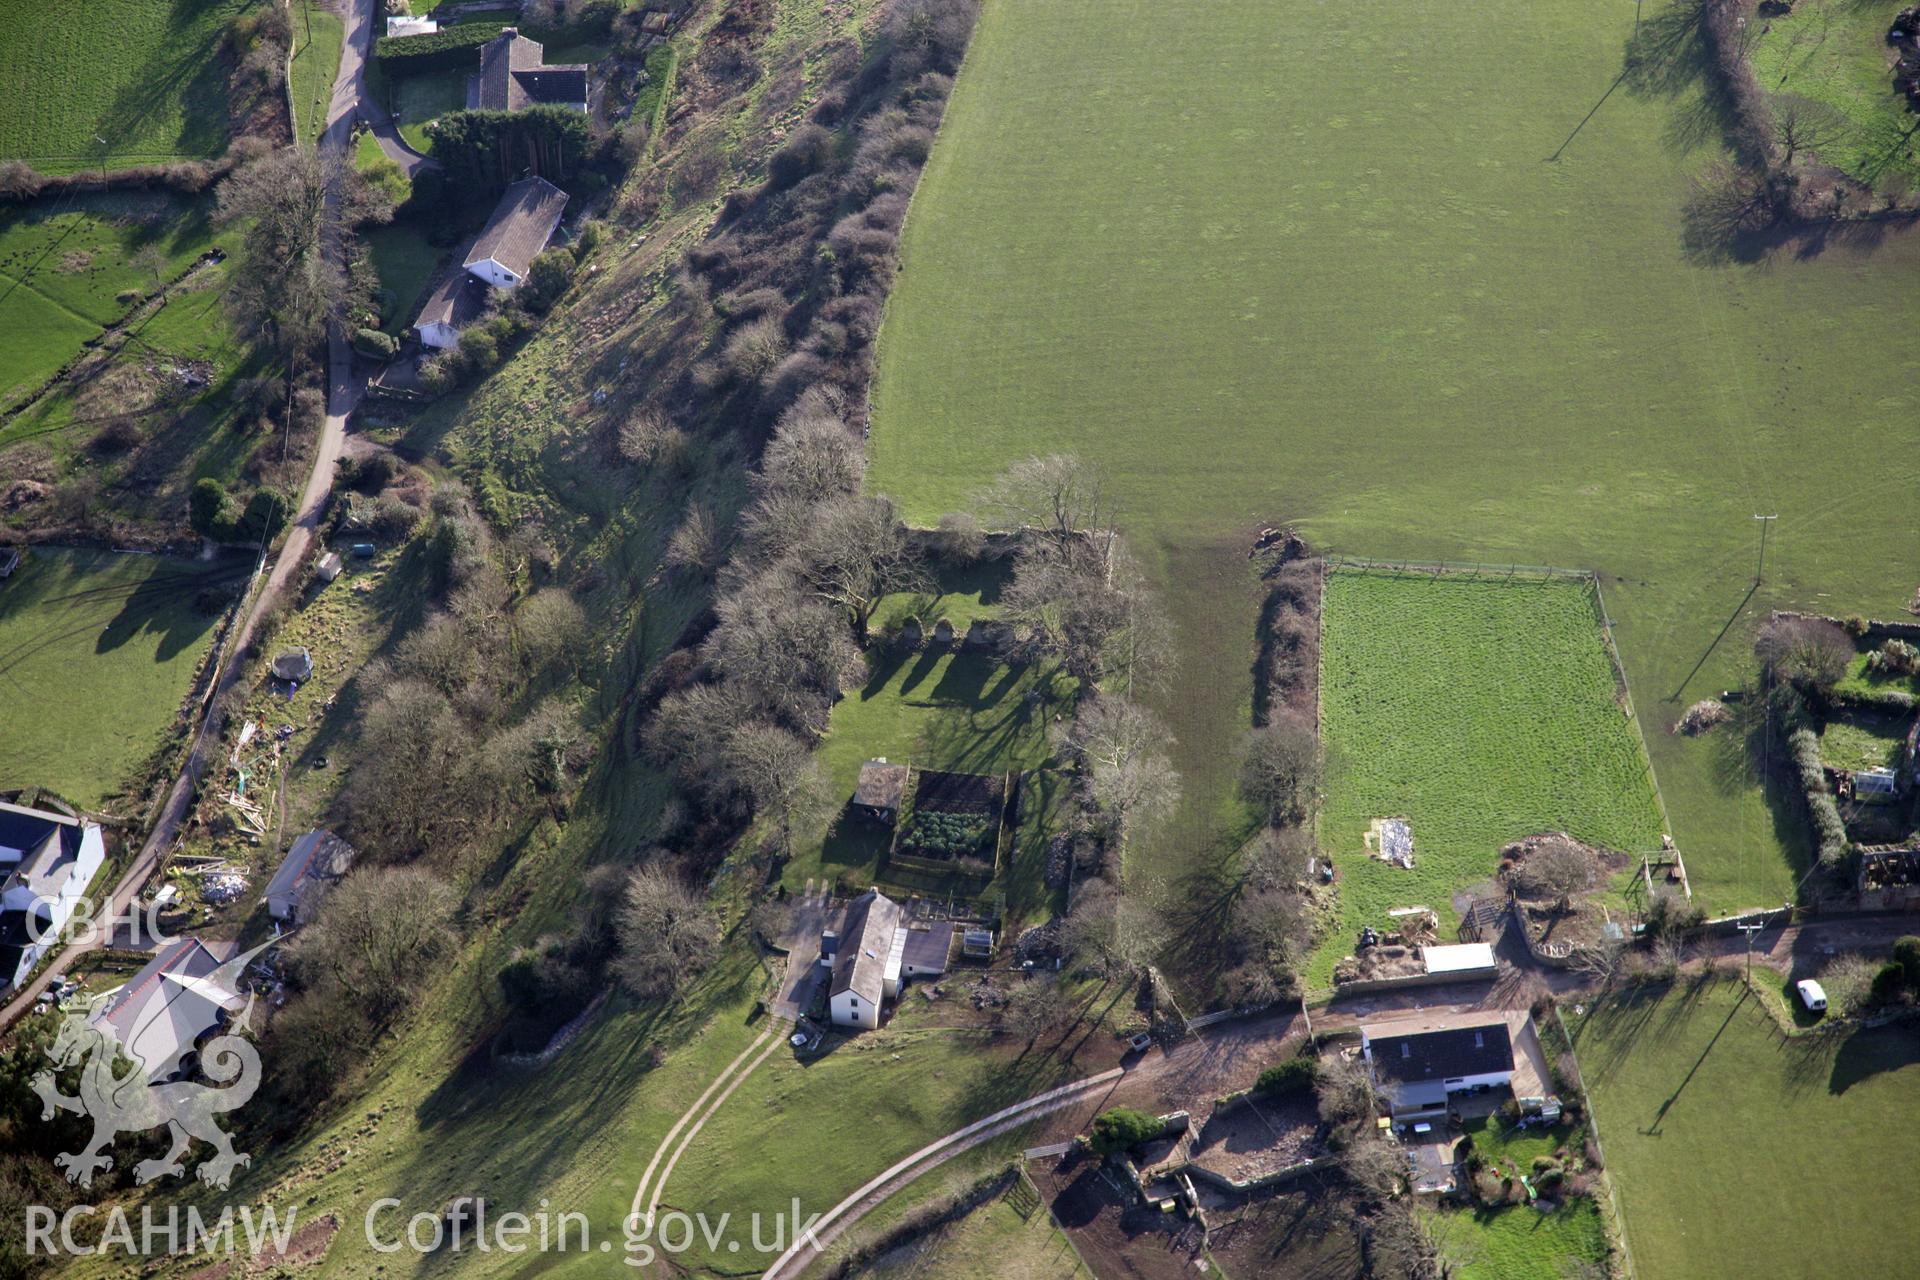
[343, 392]
[354, 52]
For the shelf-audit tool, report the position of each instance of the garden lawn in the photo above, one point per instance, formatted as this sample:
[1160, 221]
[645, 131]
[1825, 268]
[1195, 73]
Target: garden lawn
[1863, 740]
[419, 100]
[1483, 711]
[150, 78]
[1862, 683]
[1363, 268]
[318, 33]
[68, 270]
[994, 1242]
[405, 262]
[937, 709]
[97, 651]
[1703, 1104]
[1521, 1243]
[1836, 52]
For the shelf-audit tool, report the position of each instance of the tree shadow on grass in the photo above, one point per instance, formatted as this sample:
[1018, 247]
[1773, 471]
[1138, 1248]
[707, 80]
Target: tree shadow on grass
[1873, 1051]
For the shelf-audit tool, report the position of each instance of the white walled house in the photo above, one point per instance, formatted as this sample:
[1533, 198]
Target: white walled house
[499, 258]
[1416, 1071]
[47, 860]
[872, 955]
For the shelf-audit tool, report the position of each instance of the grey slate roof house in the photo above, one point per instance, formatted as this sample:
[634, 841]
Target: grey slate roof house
[862, 977]
[514, 75]
[316, 858]
[167, 1009]
[500, 256]
[519, 229]
[1417, 1070]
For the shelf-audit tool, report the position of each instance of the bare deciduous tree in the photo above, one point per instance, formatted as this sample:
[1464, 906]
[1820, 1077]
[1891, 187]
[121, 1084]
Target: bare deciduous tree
[1801, 124]
[668, 936]
[1280, 770]
[1116, 933]
[793, 651]
[376, 936]
[813, 455]
[299, 206]
[1557, 868]
[1123, 747]
[854, 553]
[1059, 496]
[1036, 1008]
[1603, 961]
[785, 780]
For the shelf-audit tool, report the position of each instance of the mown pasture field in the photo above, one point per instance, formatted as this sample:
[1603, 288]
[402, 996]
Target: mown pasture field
[1376, 270]
[1718, 1129]
[96, 654]
[149, 78]
[1482, 711]
[1835, 52]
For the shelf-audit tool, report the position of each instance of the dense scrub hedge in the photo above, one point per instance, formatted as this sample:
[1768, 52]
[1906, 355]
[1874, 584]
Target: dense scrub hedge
[444, 50]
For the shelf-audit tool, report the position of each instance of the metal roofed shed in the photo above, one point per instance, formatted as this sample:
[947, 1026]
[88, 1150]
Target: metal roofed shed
[924, 949]
[880, 788]
[977, 944]
[1461, 960]
[315, 858]
[329, 567]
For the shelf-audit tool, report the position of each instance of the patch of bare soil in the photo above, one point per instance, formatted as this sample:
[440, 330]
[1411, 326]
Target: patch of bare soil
[1121, 1238]
[1257, 1138]
[307, 1246]
[1301, 1234]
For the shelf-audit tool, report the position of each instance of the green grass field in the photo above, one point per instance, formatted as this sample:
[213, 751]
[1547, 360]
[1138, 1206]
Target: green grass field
[318, 33]
[1481, 710]
[150, 78]
[1738, 1152]
[994, 1242]
[1521, 1243]
[114, 640]
[1364, 268]
[1836, 52]
[65, 265]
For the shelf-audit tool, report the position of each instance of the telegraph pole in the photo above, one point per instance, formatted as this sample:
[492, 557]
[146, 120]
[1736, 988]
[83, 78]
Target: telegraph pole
[1760, 573]
[1750, 930]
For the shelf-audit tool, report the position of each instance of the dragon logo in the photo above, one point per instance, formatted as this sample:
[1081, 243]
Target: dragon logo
[151, 1023]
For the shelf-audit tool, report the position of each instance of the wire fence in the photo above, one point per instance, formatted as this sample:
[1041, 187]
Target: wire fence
[1472, 570]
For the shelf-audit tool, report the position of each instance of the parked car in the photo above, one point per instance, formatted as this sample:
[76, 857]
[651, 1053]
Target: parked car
[1812, 995]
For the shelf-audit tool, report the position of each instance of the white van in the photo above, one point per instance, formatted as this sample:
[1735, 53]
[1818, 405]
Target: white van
[1811, 995]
